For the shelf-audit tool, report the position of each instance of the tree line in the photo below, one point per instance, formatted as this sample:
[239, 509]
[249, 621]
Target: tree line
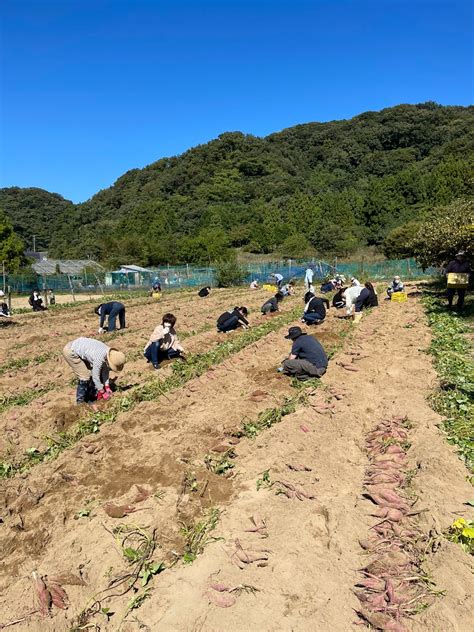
[316, 188]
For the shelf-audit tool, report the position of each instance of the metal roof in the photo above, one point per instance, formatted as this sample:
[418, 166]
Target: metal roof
[66, 266]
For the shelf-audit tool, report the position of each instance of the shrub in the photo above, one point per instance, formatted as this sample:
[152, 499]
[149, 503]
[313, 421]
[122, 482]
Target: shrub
[229, 272]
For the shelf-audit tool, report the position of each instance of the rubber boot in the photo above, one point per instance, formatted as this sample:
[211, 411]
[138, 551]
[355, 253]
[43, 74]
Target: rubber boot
[81, 392]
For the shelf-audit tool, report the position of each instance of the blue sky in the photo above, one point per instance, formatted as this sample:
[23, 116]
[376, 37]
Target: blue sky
[91, 89]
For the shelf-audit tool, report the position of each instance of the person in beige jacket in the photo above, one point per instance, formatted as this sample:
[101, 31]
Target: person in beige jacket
[163, 343]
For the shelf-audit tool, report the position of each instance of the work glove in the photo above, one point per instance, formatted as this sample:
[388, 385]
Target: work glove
[101, 330]
[103, 394]
[107, 389]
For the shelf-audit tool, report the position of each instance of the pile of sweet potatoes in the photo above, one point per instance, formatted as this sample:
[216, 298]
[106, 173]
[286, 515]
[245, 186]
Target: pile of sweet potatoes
[390, 587]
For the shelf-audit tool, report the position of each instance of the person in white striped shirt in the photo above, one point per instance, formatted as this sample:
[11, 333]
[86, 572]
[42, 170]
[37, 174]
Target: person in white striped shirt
[91, 360]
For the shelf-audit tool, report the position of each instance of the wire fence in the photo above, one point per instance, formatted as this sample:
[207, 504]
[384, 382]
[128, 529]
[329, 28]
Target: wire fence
[177, 277]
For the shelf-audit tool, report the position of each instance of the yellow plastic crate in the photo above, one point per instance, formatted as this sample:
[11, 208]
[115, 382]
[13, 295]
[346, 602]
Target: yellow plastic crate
[156, 296]
[458, 280]
[399, 297]
[268, 287]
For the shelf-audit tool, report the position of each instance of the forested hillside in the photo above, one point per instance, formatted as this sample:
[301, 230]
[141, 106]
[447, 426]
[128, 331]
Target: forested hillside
[329, 187]
[34, 212]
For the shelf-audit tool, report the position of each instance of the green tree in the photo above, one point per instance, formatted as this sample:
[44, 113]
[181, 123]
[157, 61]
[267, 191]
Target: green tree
[443, 233]
[396, 242]
[296, 246]
[11, 246]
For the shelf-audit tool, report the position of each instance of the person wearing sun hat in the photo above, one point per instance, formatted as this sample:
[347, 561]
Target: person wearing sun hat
[307, 358]
[91, 360]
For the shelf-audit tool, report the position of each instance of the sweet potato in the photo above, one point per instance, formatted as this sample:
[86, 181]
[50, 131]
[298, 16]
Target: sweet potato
[221, 599]
[42, 594]
[67, 579]
[58, 596]
[118, 511]
[220, 587]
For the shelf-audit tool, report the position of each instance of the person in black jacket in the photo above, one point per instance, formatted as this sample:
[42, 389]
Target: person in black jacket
[338, 300]
[367, 298]
[204, 291]
[460, 266]
[36, 301]
[232, 319]
[315, 309]
[112, 310]
[272, 304]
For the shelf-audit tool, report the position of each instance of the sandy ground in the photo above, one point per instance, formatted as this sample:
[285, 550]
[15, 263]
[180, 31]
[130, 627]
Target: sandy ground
[307, 583]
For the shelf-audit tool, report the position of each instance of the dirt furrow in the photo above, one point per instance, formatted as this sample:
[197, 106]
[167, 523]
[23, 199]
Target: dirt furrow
[309, 581]
[25, 428]
[156, 447]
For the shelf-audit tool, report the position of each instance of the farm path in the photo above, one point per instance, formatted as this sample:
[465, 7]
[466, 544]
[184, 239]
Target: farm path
[314, 553]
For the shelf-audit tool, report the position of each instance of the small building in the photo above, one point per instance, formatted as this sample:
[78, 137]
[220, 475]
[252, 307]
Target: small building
[129, 275]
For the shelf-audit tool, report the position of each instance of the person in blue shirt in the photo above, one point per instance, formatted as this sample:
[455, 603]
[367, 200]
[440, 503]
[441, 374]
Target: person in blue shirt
[307, 358]
[278, 279]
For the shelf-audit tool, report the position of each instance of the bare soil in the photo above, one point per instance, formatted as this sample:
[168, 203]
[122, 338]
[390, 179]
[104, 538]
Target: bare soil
[305, 579]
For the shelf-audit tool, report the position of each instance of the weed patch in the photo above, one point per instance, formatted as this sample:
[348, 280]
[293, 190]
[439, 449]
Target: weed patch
[453, 400]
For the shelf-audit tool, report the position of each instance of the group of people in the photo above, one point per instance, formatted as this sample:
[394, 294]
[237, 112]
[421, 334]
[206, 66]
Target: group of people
[92, 360]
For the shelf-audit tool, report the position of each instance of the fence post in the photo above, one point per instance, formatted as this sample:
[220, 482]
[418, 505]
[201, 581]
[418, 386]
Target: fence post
[45, 291]
[9, 299]
[72, 288]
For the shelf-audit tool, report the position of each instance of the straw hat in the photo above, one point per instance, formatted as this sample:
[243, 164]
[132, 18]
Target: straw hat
[115, 359]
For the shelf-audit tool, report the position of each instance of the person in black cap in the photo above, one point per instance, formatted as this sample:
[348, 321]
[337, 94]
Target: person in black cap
[307, 358]
[458, 265]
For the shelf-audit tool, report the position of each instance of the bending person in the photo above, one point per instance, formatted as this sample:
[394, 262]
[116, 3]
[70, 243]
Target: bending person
[204, 291]
[367, 298]
[91, 361]
[272, 304]
[338, 300]
[111, 310]
[315, 309]
[228, 321]
[307, 358]
[163, 343]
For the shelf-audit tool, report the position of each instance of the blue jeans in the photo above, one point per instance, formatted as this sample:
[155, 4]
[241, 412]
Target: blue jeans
[155, 354]
[120, 312]
[311, 318]
[229, 324]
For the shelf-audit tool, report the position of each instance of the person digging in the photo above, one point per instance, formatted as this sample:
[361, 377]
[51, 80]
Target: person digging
[91, 360]
[307, 358]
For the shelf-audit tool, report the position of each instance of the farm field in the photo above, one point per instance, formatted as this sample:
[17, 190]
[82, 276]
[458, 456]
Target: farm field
[216, 494]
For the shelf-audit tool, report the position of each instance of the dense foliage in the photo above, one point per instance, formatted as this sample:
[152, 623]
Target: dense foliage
[444, 231]
[34, 212]
[11, 246]
[324, 187]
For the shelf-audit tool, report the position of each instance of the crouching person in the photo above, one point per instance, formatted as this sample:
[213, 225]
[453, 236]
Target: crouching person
[307, 358]
[272, 304]
[91, 360]
[228, 321]
[315, 309]
[164, 342]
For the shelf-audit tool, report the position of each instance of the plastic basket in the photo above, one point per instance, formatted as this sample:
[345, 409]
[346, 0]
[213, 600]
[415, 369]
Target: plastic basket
[156, 296]
[269, 288]
[399, 297]
[458, 280]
